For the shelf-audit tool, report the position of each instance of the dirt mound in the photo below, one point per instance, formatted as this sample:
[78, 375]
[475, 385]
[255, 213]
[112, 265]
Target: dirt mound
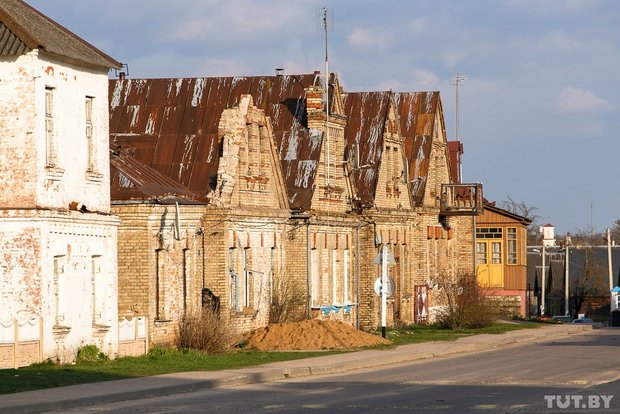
[311, 334]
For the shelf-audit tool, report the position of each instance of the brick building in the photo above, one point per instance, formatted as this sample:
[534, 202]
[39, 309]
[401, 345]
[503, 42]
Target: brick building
[400, 164]
[214, 234]
[372, 170]
[58, 276]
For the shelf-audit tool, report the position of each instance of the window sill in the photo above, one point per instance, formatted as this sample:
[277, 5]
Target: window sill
[59, 330]
[162, 321]
[94, 177]
[54, 173]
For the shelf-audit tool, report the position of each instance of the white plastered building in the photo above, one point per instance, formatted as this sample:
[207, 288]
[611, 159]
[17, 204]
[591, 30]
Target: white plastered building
[58, 246]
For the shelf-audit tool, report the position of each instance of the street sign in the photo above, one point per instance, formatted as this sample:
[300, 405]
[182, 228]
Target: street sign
[389, 287]
[390, 257]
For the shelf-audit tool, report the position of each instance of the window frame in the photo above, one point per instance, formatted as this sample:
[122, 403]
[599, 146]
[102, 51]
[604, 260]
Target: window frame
[512, 247]
[51, 147]
[91, 158]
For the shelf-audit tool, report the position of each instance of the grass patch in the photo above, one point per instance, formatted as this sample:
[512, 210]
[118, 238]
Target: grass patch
[158, 361]
[424, 333]
[92, 368]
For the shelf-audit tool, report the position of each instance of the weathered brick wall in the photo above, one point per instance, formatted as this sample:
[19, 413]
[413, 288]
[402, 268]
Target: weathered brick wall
[18, 131]
[160, 272]
[240, 245]
[52, 258]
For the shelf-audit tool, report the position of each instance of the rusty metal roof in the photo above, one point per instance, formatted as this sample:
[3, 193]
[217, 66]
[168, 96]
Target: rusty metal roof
[171, 125]
[24, 28]
[132, 180]
[417, 111]
[367, 116]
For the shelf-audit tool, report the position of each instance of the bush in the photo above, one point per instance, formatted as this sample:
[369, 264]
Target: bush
[467, 307]
[289, 302]
[208, 332]
[90, 353]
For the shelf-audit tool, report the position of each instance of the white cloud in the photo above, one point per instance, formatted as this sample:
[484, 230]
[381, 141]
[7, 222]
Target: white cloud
[364, 38]
[452, 57]
[590, 129]
[420, 25]
[425, 79]
[389, 84]
[231, 19]
[551, 7]
[574, 99]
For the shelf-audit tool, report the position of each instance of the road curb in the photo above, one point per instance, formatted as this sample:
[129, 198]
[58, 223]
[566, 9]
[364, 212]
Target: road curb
[139, 388]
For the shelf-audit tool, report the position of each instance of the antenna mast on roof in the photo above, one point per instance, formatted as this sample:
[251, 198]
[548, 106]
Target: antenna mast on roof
[326, 93]
[458, 78]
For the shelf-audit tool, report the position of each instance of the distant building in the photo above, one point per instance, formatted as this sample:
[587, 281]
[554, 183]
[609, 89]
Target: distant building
[588, 277]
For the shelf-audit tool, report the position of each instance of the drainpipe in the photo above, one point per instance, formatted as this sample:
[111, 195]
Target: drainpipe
[308, 269]
[475, 273]
[357, 275]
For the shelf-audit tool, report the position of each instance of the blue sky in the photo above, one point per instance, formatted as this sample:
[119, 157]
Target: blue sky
[539, 111]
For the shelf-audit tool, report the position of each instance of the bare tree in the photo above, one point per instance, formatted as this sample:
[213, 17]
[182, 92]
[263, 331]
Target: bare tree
[466, 306]
[524, 210]
[615, 231]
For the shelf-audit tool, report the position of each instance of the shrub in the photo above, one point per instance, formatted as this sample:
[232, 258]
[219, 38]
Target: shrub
[208, 332]
[289, 301]
[90, 353]
[466, 305]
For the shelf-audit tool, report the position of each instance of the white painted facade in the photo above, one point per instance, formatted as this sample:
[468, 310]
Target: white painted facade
[56, 262]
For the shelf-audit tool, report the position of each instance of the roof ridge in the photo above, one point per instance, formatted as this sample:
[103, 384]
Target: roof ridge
[37, 30]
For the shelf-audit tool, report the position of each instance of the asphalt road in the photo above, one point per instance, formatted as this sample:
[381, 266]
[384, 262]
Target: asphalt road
[575, 374]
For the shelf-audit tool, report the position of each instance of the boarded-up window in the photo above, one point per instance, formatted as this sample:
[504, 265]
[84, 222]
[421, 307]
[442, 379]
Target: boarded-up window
[90, 143]
[160, 284]
[345, 272]
[98, 289]
[59, 289]
[51, 152]
[314, 277]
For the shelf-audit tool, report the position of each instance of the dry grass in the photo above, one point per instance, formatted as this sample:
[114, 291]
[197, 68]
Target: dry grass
[207, 332]
[467, 307]
[289, 302]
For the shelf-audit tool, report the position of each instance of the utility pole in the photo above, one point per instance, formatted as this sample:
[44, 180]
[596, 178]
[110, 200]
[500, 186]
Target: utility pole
[542, 288]
[566, 289]
[384, 271]
[327, 149]
[609, 266]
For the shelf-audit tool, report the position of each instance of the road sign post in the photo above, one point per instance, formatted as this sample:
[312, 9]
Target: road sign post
[384, 258]
[384, 264]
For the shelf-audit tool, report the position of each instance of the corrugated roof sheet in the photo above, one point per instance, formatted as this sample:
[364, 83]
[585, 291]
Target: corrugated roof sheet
[133, 180]
[26, 28]
[367, 115]
[416, 112]
[172, 126]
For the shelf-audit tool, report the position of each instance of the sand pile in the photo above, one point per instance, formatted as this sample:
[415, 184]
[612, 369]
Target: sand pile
[311, 334]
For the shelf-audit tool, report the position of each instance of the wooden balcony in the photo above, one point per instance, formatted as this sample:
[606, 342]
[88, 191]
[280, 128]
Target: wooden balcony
[461, 199]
